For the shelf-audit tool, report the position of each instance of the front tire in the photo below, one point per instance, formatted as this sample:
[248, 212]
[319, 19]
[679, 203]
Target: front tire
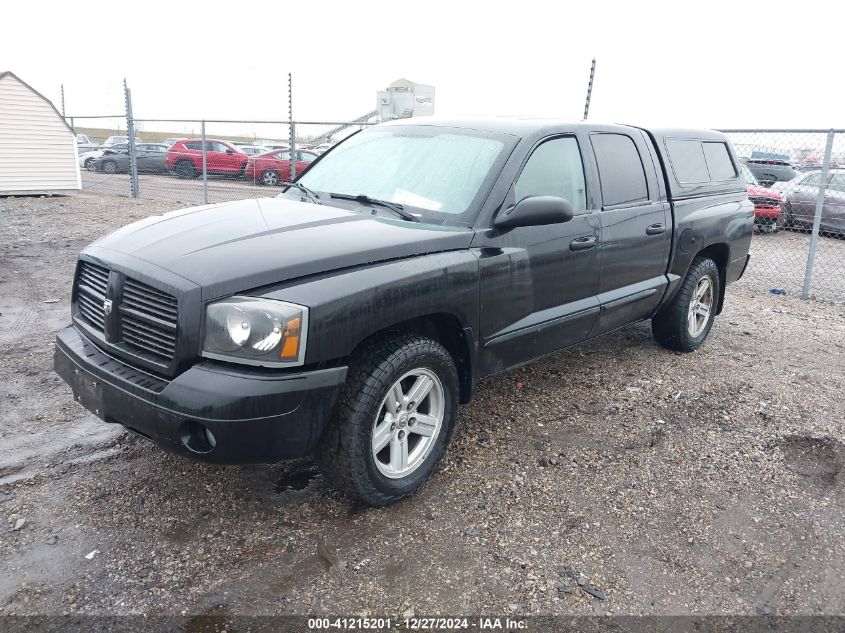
[393, 419]
[685, 322]
[269, 178]
[89, 164]
[110, 167]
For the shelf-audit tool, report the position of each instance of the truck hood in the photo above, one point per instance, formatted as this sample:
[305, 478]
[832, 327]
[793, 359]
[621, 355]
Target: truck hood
[236, 246]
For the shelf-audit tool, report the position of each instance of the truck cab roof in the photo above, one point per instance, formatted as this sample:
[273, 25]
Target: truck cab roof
[696, 162]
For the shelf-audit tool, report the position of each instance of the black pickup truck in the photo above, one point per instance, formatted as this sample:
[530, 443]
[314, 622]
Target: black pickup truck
[350, 315]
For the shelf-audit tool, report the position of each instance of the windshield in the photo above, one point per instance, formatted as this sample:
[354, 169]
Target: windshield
[436, 172]
[748, 176]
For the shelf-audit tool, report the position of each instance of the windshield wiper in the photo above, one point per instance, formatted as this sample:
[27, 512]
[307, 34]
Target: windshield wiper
[311, 195]
[397, 208]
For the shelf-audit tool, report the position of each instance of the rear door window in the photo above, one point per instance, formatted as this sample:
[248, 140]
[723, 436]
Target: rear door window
[621, 171]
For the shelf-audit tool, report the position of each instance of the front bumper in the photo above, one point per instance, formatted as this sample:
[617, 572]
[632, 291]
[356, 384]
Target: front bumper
[254, 415]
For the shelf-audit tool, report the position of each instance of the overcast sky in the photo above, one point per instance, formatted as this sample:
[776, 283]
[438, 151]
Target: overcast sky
[708, 63]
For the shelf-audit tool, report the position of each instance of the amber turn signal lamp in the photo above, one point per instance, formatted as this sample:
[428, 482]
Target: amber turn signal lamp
[290, 350]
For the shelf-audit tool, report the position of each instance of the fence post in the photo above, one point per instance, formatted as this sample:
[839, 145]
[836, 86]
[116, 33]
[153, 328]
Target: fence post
[292, 129]
[814, 239]
[204, 168]
[130, 133]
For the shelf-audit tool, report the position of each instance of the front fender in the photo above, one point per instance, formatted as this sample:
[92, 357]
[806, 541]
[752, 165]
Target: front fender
[348, 306]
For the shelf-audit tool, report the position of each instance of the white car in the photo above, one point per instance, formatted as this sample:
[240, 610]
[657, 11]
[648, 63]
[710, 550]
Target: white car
[87, 159]
[85, 144]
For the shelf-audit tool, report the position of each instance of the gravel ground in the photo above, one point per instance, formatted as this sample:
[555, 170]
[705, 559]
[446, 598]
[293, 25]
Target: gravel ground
[614, 477]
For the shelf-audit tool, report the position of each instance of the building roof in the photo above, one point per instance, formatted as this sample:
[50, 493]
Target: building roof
[9, 73]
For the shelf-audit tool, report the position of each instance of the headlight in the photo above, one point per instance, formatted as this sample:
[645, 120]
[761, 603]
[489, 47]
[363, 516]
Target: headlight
[256, 332]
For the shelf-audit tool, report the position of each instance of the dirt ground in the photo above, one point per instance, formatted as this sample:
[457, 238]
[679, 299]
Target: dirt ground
[614, 477]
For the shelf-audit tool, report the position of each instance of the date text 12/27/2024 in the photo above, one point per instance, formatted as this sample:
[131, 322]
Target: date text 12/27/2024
[417, 624]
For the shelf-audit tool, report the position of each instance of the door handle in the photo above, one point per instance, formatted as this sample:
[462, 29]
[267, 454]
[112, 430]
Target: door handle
[655, 229]
[582, 243]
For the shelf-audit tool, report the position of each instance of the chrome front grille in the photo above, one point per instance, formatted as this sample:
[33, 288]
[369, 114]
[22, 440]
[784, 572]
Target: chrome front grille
[92, 285]
[140, 320]
[148, 319]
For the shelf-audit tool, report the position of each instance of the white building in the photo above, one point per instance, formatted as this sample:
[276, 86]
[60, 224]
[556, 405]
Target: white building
[404, 99]
[37, 147]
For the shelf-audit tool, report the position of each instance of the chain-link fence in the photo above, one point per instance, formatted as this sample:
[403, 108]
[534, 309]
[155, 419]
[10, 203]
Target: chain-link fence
[796, 180]
[202, 161]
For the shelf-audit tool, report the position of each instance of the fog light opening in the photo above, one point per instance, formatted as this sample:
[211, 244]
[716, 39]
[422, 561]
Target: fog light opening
[197, 437]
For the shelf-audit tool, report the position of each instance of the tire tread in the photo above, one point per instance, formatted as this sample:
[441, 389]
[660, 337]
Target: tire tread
[341, 454]
[669, 326]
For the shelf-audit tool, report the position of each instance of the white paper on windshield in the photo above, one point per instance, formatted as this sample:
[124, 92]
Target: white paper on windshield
[415, 200]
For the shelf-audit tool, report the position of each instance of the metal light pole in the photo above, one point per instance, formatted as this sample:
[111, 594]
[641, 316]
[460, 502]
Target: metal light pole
[292, 129]
[204, 165]
[130, 131]
[590, 89]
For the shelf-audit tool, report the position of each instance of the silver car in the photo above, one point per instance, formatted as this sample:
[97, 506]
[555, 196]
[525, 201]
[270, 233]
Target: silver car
[799, 201]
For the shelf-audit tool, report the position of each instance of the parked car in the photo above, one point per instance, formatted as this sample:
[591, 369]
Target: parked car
[150, 158]
[184, 158]
[272, 168]
[87, 159]
[253, 150]
[770, 170]
[350, 316]
[816, 167]
[801, 194]
[767, 203]
[118, 140]
[323, 147]
[85, 144]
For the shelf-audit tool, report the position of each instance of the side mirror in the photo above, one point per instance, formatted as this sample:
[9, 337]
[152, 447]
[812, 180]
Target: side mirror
[535, 211]
[230, 151]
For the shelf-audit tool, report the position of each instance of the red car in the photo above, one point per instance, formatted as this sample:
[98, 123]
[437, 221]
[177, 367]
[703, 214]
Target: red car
[767, 203]
[184, 158]
[274, 167]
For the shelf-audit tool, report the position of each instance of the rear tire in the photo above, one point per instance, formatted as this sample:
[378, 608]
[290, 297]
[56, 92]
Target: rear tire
[685, 322]
[110, 167]
[381, 444]
[185, 169]
[89, 164]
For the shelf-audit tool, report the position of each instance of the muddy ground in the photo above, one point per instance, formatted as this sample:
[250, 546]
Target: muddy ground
[614, 477]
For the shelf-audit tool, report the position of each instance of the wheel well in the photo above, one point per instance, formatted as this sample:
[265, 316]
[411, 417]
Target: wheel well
[719, 253]
[447, 330]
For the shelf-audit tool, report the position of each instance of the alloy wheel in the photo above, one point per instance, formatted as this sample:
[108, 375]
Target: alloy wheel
[700, 307]
[408, 422]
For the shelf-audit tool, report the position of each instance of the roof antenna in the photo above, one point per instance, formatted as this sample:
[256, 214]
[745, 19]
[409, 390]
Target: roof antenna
[590, 89]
